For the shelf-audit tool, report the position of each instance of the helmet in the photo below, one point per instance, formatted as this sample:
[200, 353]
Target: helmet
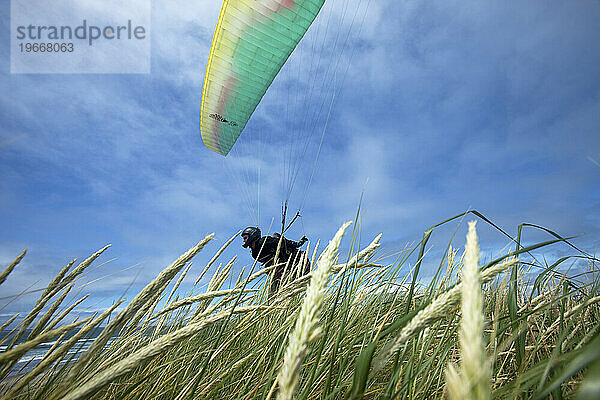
[253, 234]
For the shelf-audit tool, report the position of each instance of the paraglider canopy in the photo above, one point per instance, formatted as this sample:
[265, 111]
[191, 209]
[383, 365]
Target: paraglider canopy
[252, 41]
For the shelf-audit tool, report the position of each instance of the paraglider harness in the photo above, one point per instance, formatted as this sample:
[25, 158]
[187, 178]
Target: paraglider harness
[265, 248]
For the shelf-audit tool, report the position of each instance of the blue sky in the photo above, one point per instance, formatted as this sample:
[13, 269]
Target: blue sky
[445, 106]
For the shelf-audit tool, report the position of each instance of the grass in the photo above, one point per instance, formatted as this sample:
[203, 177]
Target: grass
[358, 326]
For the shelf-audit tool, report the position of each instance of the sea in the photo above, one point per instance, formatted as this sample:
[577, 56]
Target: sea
[34, 356]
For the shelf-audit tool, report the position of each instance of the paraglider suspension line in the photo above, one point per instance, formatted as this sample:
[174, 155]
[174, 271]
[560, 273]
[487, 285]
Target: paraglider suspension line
[283, 213]
[293, 220]
[284, 208]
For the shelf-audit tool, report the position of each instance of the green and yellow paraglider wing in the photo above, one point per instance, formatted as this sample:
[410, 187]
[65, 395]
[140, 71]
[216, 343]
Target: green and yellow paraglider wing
[252, 41]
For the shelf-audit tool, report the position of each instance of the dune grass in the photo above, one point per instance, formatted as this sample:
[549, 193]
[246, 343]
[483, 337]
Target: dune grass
[361, 325]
